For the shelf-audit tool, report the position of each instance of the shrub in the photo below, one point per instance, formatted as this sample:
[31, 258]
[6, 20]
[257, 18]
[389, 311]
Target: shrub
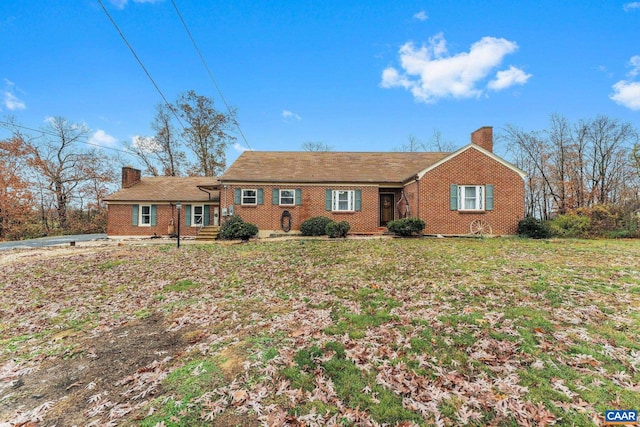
[406, 227]
[570, 225]
[533, 228]
[235, 228]
[337, 229]
[315, 226]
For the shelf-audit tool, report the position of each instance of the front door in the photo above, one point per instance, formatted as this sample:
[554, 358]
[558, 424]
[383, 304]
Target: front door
[386, 209]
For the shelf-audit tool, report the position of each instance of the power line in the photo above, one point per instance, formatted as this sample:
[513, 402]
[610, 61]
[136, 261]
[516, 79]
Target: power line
[141, 64]
[213, 80]
[8, 125]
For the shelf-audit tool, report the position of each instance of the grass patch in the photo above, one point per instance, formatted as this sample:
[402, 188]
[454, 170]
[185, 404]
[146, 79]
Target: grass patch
[186, 384]
[181, 285]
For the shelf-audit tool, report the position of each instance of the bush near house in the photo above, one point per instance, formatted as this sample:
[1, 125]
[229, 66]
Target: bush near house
[406, 227]
[534, 228]
[337, 229]
[315, 226]
[570, 225]
[235, 228]
[606, 221]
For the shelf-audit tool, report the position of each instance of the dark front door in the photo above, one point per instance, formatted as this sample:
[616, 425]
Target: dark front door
[386, 209]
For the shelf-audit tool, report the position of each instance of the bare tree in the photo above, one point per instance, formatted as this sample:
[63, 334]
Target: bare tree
[413, 145]
[439, 144]
[578, 166]
[610, 141]
[535, 154]
[316, 146]
[436, 143]
[207, 132]
[62, 165]
[560, 142]
[162, 153]
[171, 157]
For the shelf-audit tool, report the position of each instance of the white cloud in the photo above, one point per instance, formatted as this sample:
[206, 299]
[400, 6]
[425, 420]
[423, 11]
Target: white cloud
[9, 98]
[146, 144]
[102, 138]
[634, 63]
[507, 78]
[13, 103]
[627, 94]
[421, 16]
[630, 6]
[120, 4]
[240, 148]
[430, 72]
[290, 115]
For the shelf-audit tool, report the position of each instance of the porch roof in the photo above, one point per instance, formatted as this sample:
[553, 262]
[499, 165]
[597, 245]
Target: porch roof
[330, 167]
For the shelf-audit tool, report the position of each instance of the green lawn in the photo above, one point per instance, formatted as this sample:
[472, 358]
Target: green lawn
[409, 332]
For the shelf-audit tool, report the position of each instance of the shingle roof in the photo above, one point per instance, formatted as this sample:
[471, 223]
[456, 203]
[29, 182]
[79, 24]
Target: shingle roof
[167, 189]
[305, 166]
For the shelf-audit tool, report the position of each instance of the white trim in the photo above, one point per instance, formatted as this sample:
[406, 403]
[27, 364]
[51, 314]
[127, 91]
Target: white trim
[293, 197]
[193, 216]
[335, 200]
[242, 196]
[335, 184]
[480, 149]
[479, 199]
[140, 215]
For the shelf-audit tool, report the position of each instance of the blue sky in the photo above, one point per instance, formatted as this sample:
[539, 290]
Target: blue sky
[356, 75]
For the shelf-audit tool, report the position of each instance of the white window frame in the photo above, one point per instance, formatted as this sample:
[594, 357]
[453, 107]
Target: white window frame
[350, 200]
[194, 223]
[478, 198]
[245, 197]
[142, 215]
[281, 197]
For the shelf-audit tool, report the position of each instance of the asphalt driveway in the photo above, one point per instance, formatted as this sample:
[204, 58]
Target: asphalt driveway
[43, 242]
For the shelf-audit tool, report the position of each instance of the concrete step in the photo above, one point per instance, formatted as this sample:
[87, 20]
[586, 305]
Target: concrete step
[208, 233]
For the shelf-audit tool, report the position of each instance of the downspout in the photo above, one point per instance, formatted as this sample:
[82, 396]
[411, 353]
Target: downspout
[202, 189]
[418, 198]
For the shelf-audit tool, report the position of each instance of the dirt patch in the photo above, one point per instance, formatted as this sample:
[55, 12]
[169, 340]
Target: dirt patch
[98, 379]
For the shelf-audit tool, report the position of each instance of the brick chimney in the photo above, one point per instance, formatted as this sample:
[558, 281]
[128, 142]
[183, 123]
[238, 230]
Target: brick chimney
[130, 176]
[483, 137]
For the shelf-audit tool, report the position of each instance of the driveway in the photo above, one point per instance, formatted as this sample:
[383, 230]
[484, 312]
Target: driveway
[43, 242]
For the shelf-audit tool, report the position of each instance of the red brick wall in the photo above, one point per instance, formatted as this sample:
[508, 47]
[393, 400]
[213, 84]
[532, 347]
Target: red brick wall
[119, 221]
[483, 137]
[267, 216]
[471, 168]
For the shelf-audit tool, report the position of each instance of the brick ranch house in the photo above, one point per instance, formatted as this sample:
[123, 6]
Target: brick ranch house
[469, 190]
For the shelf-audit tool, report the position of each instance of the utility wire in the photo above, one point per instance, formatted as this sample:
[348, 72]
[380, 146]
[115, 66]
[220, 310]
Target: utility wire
[141, 64]
[8, 125]
[213, 80]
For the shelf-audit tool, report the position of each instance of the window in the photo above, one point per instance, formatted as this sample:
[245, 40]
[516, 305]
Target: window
[198, 215]
[145, 215]
[343, 200]
[471, 197]
[287, 197]
[249, 197]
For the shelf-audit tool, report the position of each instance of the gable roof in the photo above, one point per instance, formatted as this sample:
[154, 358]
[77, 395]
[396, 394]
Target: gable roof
[328, 166]
[498, 159]
[167, 189]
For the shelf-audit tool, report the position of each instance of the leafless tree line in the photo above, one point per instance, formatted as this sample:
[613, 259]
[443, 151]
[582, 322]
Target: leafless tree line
[578, 165]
